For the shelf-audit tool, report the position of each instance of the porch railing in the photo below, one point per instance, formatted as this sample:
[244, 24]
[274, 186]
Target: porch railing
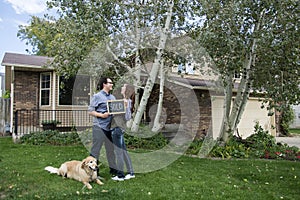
[26, 121]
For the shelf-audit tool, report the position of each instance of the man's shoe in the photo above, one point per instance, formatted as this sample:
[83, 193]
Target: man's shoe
[129, 176]
[116, 178]
[113, 172]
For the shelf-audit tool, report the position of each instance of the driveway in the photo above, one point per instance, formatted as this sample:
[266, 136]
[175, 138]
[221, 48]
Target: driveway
[291, 141]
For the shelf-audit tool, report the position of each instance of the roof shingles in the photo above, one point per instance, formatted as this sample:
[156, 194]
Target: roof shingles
[15, 59]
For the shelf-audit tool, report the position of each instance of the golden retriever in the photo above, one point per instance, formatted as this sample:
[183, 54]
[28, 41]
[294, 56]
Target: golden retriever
[84, 171]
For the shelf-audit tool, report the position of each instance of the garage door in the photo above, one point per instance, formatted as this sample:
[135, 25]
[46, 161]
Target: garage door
[252, 114]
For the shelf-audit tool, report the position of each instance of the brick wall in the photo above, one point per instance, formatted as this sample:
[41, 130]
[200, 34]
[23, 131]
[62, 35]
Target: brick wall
[181, 105]
[26, 90]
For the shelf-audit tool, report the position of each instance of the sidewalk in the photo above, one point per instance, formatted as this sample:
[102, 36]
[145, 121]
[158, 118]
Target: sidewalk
[291, 141]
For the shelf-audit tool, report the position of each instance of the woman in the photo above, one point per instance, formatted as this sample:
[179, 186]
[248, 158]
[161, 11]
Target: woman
[118, 136]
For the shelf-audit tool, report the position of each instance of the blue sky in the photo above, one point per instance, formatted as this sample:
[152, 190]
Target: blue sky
[12, 14]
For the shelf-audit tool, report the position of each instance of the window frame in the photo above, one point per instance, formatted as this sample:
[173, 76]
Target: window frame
[45, 89]
[60, 81]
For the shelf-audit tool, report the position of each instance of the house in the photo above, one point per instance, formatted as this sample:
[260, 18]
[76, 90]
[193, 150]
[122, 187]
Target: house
[2, 81]
[296, 122]
[188, 99]
[38, 93]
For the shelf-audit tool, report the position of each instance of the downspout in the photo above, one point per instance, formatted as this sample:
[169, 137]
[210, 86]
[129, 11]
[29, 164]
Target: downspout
[54, 94]
[12, 77]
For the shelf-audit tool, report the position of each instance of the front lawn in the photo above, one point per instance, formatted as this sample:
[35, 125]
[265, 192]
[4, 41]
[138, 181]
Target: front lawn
[294, 131]
[23, 176]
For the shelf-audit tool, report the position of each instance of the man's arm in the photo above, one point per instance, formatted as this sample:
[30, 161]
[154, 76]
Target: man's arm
[98, 114]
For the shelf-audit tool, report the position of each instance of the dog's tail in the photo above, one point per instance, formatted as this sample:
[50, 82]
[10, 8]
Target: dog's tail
[52, 170]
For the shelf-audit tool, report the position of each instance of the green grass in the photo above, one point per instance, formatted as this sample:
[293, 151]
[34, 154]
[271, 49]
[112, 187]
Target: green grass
[294, 131]
[22, 176]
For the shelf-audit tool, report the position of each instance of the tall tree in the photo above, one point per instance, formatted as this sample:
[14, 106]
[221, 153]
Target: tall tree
[258, 39]
[39, 34]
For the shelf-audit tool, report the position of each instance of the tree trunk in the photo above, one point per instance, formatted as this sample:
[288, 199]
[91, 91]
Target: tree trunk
[157, 125]
[243, 89]
[156, 65]
[137, 71]
[225, 128]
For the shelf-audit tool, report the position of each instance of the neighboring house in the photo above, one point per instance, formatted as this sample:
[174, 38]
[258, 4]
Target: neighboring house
[2, 81]
[34, 87]
[296, 122]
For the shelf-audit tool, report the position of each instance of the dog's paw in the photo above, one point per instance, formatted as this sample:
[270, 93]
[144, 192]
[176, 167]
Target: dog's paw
[99, 182]
[87, 185]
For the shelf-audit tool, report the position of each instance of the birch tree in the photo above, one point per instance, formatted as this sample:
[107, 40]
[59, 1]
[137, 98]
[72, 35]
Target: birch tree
[156, 123]
[240, 36]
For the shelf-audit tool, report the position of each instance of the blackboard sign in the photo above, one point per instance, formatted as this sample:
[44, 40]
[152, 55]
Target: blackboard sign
[116, 106]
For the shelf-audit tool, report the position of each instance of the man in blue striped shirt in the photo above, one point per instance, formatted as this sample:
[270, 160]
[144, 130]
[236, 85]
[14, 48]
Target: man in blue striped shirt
[102, 123]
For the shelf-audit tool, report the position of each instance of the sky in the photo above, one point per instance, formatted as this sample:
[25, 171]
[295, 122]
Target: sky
[12, 14]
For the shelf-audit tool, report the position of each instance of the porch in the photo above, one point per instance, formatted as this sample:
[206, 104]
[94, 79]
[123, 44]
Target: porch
[27, 121]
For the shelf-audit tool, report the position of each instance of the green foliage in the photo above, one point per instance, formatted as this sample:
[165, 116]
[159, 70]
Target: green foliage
[55, 122]
[51, 137]
[194, 147]
[54, 137]
[261, 139]
[229, 33]
[259, 145]
[39, 35]
[157, 141]
[233, 148]
[287, 117]
[294, 130]
[6, 95]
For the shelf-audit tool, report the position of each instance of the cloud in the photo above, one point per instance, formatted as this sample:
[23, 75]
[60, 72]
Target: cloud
[28, 6]
[20, 23]
[1, 20]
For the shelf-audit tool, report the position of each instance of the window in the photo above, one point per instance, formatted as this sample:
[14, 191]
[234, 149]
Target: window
[45, 86]
[189, 68]
[74, 90]
[237, 75]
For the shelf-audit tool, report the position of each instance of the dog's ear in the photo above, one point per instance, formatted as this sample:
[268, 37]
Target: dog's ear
[83, 163]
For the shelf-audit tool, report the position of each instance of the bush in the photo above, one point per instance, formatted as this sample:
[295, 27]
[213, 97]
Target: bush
[157, 141]
[233, 148]
[287, 118]
[52, 137]
[259, 145]
[195, 147]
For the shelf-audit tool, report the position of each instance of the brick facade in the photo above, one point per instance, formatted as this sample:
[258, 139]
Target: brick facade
[26, 91]
[191, 108]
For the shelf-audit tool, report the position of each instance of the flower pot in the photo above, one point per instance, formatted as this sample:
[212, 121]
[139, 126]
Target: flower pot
[49, 126]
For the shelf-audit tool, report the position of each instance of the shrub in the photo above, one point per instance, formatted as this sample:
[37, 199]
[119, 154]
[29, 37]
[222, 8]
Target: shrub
[195, 147]
[233, 148]
[261, 139]
[52, 137]
[157, 141]
[259, 145]
[287, 118]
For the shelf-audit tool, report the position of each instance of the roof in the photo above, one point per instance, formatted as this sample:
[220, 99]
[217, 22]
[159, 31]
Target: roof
[193, 83]
[23, 60]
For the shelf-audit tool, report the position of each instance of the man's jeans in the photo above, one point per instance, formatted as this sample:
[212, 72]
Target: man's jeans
[121, 152]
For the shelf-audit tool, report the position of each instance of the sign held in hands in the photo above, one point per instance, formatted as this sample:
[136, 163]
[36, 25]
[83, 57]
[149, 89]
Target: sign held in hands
[116, 106]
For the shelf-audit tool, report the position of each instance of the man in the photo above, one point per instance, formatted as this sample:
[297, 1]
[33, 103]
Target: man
[102, 122]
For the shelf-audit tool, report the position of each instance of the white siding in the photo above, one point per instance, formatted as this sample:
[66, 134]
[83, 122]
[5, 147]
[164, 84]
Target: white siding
[296, 122]
[251, 115]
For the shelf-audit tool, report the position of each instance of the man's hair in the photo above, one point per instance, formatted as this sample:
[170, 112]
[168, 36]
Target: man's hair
[102, 80]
